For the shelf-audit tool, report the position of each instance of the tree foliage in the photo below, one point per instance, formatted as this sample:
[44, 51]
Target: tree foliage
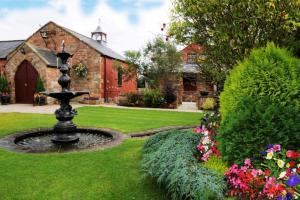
[229, 29]
[158, 59]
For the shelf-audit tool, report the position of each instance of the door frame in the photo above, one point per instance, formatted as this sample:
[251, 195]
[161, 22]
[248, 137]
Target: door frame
[28, 97]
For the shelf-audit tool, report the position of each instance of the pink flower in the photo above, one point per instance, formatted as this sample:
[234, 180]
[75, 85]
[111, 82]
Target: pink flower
[197, 130]
[247, 162]
[277, 147]
[200, 147]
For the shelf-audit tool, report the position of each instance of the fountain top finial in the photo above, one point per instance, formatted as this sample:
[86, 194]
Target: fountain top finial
[63, 55]
[63, 46]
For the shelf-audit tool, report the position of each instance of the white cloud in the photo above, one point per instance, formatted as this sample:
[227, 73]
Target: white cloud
[122, 35]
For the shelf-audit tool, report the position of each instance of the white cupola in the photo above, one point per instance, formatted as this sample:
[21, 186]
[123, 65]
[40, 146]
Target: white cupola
[99, 35]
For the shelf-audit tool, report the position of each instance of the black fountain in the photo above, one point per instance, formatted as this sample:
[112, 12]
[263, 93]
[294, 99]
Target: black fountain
[64, 136]
[65, 127]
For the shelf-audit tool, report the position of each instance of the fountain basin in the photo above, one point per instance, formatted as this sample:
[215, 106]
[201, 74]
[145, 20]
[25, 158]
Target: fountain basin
[65, 95]
[40, 141]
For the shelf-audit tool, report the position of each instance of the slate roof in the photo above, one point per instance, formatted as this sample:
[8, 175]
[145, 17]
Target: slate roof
[96, 45]
[6, 47]
[48, 56]
[190, 68]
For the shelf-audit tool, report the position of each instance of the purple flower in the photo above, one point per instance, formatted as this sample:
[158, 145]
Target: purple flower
[293, 181]
[269, 146]
[263, 153]
[287, 197]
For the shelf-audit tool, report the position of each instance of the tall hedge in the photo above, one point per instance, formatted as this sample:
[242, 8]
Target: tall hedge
[260, 104]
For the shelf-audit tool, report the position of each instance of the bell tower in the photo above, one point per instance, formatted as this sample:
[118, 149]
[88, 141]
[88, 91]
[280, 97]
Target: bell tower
[99, 35]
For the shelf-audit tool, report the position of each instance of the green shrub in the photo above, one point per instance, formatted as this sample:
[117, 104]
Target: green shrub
[217, 164]
[209, 104]
[153, 98]
[260, 104]
[134, 98]
[169, 93]
[39, 85]
[169, 157]
[3, 84]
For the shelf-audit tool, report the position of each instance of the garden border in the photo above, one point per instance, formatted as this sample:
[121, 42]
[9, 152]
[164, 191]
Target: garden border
[157, 130]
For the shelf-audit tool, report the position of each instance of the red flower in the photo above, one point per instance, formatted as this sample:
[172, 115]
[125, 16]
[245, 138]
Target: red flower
[267, 172]
[292, 154]
[292, 164]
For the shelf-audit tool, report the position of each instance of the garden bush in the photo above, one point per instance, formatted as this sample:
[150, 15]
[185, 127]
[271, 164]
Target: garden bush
[3, 84]
[170, 158]
[209, 104]
[39, 85]
[169, 93]
[217, 164]
[260, 104]
[134, 98]
[153, 98]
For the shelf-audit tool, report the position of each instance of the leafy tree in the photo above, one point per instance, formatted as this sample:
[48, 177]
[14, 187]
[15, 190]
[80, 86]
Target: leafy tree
[229, 29]
[155, 62]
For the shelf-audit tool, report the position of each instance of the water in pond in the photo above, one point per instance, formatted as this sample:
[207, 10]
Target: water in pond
[43, 143]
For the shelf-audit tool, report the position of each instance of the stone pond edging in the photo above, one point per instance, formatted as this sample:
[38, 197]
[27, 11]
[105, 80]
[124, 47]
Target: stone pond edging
[8, 142]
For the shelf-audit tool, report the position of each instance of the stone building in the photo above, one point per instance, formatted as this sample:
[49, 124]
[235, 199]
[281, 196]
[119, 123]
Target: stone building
[6, 47]
[36, 57]
[192, 81]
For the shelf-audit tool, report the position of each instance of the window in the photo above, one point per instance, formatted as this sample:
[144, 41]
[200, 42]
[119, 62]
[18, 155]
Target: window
[120, 75]
[191, 58]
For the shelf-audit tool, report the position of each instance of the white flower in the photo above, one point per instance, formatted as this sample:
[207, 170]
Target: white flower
[206, 140]
[282, 175]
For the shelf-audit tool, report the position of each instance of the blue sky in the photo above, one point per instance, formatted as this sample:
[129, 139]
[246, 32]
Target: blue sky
[131, 6]
[128, 23]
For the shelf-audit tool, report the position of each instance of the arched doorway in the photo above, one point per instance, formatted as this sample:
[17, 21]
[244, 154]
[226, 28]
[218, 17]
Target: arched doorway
[25, 82]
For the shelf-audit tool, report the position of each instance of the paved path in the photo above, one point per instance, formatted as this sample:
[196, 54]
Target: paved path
[50, 109]
[188, 106]
[28, 108]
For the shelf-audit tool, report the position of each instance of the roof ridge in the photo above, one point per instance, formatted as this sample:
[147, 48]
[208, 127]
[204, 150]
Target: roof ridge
[85, 37]
[121, 57]
[12, 40]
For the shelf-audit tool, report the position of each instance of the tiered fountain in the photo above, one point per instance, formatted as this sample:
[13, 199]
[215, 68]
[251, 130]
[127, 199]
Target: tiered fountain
[65, 136]
[65, 126]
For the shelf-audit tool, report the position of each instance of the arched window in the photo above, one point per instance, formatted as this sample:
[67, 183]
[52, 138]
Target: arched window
[120, 76]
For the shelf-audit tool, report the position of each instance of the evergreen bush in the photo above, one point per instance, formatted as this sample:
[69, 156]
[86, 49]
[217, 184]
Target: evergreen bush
[209, 104]
[169, 93]
[153, 98]
[3, 84]
[39, 85]
[260, 104]
[134, 98]
[169, 158]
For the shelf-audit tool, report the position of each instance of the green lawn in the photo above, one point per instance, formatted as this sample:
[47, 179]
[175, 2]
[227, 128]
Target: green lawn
[124, 120]
[109, 174]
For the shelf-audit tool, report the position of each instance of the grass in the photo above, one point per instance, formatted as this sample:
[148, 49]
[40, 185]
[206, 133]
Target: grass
[124, 120]
[111, 174]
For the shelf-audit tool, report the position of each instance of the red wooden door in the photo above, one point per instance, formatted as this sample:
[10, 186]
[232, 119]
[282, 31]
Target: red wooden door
[25, 82]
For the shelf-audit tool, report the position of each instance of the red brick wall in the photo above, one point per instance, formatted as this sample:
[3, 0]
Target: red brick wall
[112, 88]
[94, 82]
[202, 84]
[81, 53]
[190, 48]
[2, 63]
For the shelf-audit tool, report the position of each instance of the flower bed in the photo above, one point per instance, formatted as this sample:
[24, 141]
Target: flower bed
[275, 175]
[207, 145]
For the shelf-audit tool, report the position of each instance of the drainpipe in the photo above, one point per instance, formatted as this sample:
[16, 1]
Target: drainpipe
[105, 89]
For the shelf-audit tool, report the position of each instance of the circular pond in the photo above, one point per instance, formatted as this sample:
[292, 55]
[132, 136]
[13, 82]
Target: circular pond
[40, 141]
